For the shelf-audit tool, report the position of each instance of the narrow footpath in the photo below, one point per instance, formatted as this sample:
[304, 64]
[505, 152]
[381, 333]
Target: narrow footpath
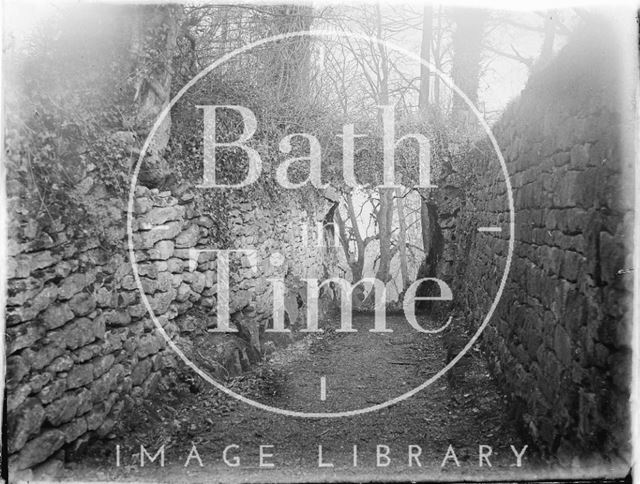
[417, 436]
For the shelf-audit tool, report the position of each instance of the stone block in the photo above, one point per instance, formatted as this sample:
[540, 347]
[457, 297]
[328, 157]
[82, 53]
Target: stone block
[184, 290]
[157, 361]
[239, 300]
[208, 302]
[86, 353]
[565, 194]
[102, 364]
[587, 187]
[175, 265]
[48, 471]
[82, 304]
[24, 422]
[101, 387]
[205, 221]
[39, 303]
[72, 285]
[21, 291]
[84, 396]
[27, 264]
[176, 279]
[107, 383]
[55, 316]
[80, 375]
[113, 339]
[106, 427]
[188, 237]
[562, 346]
[612, 257]
[42, 356]
[39, 380]
[164, 281]
[151, 383]
[63, 409]
[141, 371]
[17, 396]
[74, 429]
[52, 391]
[209, 279]
[574, 314]
[571, 266]
[95, 418]
[149, 344]
[198, 282]
[142, 205]
[147, 239]
[38, 449]
[620, 364]
[128, 282]
[16, 370]
[161, 215]
[160, 301]
[116, 318]
[183, 307]
[587, 408]
[127, 298]
[163, 250]
[580, 155]
[78, 333]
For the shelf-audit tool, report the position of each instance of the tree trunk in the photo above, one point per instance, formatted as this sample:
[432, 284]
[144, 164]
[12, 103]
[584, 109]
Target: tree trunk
[465, 72]
[546, 51]
[289, 63]
[356, 264]
[429, 267]
[437, 62]
[423, 104]
[385, 212]
[154, 44]
[402, 241]
[425, 53]
[385, 219]
[425, 226]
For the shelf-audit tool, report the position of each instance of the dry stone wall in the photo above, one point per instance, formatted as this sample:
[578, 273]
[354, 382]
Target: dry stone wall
[559, 340]
[80, 343]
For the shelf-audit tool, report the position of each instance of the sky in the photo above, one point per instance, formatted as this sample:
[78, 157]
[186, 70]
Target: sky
[503, 80]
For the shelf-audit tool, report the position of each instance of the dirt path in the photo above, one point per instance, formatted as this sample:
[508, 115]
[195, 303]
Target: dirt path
[360, 369]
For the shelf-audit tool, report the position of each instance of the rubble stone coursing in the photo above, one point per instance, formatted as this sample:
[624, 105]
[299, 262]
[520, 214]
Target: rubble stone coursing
[559, 340]
[80, 342]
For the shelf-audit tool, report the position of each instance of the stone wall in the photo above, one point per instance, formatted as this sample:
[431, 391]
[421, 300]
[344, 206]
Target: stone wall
[559, 340]
[80, 343]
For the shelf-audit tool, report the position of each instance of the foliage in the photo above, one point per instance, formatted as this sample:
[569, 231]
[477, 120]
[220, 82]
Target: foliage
[62, 113]
[52, 164]
[185, 153]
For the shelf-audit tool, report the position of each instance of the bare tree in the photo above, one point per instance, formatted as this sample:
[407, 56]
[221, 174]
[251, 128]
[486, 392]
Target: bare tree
[554, 25]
